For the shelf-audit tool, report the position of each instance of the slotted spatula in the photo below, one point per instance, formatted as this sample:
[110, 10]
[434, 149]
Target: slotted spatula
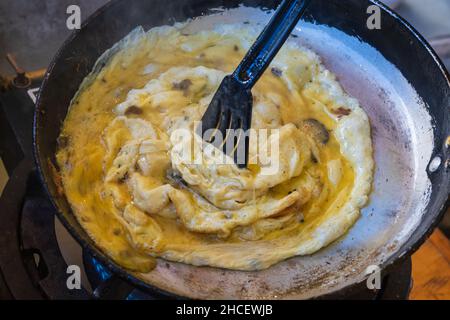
[229, 114]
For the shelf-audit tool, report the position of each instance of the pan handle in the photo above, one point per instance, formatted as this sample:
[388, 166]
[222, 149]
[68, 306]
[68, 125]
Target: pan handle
[269, 41]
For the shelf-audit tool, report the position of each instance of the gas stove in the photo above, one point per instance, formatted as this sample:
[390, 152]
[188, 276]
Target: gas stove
[37, 250]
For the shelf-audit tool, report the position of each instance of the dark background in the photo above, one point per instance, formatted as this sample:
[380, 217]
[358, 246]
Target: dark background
[33, 30]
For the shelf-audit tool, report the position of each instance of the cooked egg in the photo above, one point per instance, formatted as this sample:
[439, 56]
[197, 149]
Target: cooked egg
[118, 164]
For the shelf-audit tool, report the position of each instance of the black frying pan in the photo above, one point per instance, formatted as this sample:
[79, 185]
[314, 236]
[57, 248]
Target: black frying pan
[398, 80]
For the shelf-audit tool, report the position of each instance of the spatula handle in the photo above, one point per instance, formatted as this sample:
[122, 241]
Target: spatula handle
[269, 41]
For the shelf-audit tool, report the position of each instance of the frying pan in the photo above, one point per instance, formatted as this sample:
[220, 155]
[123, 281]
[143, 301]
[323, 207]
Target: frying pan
[393, 72]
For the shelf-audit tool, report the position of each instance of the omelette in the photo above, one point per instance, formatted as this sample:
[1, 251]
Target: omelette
[123, 171]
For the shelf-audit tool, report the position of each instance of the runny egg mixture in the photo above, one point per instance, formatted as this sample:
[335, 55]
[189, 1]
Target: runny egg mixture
[116, 155]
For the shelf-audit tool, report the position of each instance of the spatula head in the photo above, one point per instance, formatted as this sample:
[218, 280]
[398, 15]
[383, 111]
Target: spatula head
[226, 122]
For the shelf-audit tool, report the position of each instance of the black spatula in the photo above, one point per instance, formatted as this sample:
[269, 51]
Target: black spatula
[227, 120]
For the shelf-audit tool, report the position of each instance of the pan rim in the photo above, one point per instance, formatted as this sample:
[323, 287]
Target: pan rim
[397, 257]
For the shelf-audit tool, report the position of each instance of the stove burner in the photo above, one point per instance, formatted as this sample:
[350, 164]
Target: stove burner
[30, 259]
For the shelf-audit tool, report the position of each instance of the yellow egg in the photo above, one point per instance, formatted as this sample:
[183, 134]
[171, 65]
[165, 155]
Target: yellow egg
[118, 165]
